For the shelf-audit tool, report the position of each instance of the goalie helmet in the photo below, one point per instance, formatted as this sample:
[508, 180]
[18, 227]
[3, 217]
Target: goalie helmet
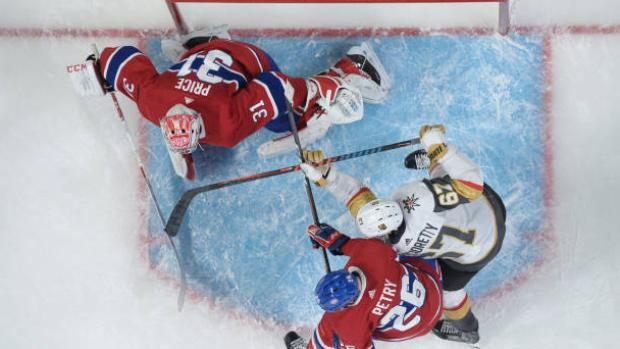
[336, 290]
[379, 217]
[182, 128]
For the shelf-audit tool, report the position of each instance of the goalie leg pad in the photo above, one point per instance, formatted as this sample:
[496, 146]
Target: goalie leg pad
[374, 81]
[310, 134]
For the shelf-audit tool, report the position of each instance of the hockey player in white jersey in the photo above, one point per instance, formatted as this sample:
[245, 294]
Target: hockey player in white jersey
[452, 216]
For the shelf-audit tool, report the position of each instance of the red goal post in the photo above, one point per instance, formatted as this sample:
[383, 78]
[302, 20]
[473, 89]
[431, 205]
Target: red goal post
[181, 25]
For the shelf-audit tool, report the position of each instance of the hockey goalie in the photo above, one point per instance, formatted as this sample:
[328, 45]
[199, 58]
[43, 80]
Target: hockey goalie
[220, 91]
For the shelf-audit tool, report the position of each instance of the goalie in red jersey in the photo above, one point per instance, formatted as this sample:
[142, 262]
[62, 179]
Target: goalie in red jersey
[374, 296]
[221, 91]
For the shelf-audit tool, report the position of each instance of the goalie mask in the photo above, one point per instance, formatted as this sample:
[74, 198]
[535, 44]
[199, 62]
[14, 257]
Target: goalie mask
[182, 127]
[379, 217]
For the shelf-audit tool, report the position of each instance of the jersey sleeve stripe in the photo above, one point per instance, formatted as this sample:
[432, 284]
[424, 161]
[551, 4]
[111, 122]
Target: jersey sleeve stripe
[317, 342]
[259, 63]
[470, 191]
[472, 185]
[360, 199]
[230, 75]
[274, 87]
[117, 61]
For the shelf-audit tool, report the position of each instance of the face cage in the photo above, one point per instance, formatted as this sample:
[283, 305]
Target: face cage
[351, 301]
[191, 147]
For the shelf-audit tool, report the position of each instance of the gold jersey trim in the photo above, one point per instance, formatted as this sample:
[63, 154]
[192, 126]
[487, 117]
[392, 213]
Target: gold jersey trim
[465, 190]
[360, 200]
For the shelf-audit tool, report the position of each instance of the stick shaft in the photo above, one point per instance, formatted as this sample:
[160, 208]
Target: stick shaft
[315, 215]
[178, 212]
[183, 281]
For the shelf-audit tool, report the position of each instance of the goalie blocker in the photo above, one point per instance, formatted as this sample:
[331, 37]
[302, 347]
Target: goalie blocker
[86, 79]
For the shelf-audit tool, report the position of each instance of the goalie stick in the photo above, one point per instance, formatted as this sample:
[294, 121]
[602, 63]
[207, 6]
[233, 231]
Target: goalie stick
[178, 212]
[121, 116]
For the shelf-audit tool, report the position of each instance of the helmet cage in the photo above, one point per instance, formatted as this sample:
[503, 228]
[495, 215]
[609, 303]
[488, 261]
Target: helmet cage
[181, 132]
[336, 290]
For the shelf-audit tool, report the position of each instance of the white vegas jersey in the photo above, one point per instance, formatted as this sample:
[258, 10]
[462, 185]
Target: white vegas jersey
[466, 233]
[451, 215]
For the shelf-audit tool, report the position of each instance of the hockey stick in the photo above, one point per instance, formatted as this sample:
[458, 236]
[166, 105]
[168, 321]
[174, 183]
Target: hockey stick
[178, 212]
[121, 116]
[315, 215]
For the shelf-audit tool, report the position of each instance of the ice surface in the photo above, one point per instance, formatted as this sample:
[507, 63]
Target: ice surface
[77, 258]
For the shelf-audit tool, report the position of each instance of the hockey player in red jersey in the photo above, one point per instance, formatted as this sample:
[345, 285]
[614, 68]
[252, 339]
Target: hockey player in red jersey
[374, 297]
[221, 91]
[452, 216]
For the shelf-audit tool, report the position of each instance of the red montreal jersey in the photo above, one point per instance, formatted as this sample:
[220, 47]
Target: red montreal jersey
[399, 300]
[231, 84]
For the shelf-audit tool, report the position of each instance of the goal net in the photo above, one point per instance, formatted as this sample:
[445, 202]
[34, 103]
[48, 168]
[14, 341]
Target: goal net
[426, 15]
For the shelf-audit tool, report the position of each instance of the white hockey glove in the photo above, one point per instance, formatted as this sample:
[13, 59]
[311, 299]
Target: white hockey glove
[86, 78]
[433, 139]
[317, 174]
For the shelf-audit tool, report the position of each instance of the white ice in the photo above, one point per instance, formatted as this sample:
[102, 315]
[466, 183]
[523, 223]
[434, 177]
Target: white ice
[73, 273]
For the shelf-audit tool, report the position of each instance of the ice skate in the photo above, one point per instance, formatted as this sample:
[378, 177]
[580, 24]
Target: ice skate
[418, 160]
[294, 341]
[444, 329]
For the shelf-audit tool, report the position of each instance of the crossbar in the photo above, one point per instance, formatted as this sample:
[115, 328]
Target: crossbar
[503, 26]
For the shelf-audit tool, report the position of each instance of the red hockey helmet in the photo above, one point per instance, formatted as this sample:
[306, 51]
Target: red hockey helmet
[182, 127]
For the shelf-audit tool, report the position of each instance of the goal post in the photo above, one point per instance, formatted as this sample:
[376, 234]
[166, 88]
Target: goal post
[503, 26]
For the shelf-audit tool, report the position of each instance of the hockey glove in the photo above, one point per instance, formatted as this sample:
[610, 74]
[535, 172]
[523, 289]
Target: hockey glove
[327, 237]
[433, 139]
[316, 174]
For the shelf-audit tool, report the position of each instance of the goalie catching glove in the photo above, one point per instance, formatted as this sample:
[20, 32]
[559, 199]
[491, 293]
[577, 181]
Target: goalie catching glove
[328, 237]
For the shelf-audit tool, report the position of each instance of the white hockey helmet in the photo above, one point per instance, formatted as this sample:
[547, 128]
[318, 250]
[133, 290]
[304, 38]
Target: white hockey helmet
[182, 127]
[379, 217]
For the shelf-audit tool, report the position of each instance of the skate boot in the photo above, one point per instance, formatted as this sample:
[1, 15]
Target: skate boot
[445, 329]
[418, 160]
[294, 341]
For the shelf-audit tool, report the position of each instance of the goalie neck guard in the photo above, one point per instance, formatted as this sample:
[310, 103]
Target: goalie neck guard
[182, 127]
